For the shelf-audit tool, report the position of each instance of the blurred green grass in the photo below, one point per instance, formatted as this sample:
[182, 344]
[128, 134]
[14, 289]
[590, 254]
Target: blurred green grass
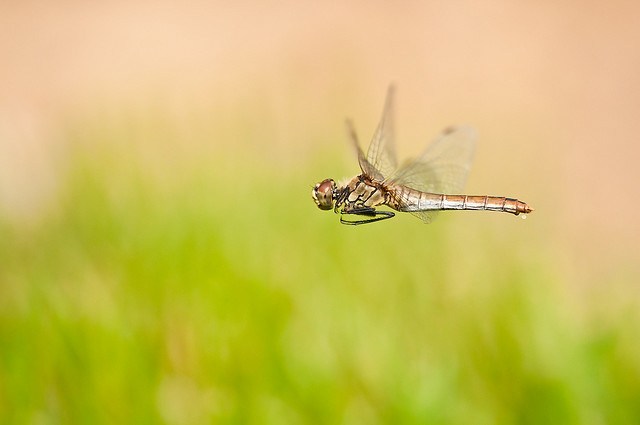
[165, 287]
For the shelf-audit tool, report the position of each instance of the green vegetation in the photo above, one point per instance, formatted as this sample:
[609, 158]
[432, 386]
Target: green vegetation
[181, 290]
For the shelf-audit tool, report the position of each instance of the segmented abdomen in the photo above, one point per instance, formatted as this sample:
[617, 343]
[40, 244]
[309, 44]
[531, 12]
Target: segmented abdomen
[409, 200]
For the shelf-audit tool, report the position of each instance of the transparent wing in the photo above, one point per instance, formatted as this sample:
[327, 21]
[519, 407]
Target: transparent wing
[382, 154]
[367, 168]
[380, 161]
[442, 168]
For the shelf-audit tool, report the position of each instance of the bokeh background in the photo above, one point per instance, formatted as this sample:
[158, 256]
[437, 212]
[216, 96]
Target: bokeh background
[161, 260]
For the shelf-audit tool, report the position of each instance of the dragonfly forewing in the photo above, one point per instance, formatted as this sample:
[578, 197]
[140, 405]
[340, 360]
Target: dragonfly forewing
[382, 151]
[367, 168]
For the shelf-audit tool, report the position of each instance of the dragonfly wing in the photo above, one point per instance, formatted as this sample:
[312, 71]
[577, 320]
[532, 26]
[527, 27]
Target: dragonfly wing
[442, 168]
[367, 168]
[382, 153]
[426, 216]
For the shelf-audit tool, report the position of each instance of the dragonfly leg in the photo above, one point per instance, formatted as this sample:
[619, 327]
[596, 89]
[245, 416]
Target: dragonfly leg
[372, 213]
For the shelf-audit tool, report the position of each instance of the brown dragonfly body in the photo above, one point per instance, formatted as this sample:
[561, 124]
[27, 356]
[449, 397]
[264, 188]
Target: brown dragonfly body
[420, 187]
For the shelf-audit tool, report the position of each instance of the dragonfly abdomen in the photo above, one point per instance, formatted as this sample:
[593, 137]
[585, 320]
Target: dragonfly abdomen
[412, 201]
[483, 202]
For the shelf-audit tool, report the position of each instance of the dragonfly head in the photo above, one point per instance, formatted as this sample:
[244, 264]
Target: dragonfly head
[324, 193]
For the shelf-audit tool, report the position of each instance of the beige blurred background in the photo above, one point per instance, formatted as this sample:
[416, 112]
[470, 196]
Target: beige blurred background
[552, 87]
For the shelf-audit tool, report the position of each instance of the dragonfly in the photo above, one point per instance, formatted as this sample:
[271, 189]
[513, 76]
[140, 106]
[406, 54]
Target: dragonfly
[420, 187]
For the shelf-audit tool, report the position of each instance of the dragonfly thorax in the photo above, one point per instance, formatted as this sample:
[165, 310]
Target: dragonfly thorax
[324, 193]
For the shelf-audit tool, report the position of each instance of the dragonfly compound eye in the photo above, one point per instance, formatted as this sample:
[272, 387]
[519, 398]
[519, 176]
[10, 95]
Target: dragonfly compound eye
[323, 194]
